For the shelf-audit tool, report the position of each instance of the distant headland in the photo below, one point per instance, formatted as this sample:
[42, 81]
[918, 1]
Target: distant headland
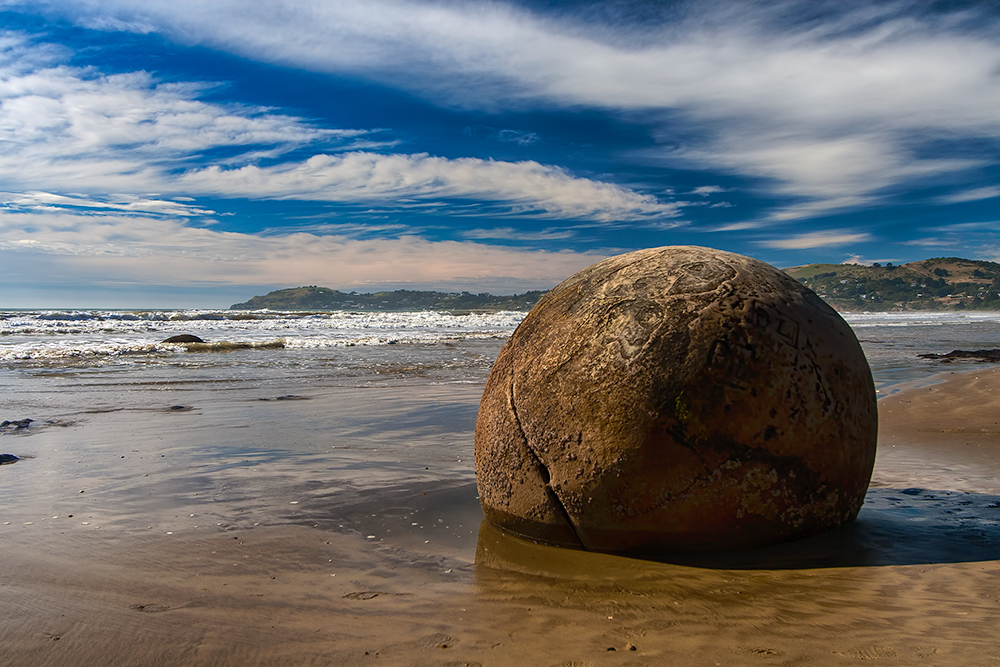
[323, 298]
[942, 283]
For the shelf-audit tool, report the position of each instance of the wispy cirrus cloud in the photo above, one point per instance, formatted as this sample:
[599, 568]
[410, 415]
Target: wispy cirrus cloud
[511, 234]
[68, 129]
[46, 201]
[76, 129]
[521, 188]
[70, 112]
[822, 239]
[975, 194]
[971, 239]
[832, 108]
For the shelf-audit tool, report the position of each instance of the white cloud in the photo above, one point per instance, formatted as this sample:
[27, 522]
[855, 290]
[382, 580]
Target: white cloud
[39, 201]
[973, 239]
[164, 251]
[976, 194]
[933, 242]
[832, 112]
[823, 174]
[72, 129]
[817, 240]
[736, 227]
[82, 113]
[69, 129]
[526, 188]
[511, 234]
[989, 226]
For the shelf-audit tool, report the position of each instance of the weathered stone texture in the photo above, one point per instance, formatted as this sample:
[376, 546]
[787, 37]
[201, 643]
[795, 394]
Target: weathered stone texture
[676, 399]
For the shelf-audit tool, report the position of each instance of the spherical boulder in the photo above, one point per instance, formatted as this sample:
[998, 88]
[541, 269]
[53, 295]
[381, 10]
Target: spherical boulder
[676, 399]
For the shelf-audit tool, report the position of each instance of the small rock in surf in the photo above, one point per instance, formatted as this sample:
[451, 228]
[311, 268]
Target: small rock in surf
[184, 338]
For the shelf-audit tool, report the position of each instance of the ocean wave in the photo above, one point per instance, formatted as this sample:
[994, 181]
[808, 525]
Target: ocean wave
[231, 346]
[36, 352]
[84, 350]
[64, 322]
[79, 322]
[917, 318]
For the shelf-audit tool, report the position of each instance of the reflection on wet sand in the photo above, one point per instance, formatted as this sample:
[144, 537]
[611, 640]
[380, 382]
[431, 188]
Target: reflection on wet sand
[896, 527]
[345, 530]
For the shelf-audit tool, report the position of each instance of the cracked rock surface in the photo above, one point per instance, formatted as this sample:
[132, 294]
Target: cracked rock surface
[676, 399]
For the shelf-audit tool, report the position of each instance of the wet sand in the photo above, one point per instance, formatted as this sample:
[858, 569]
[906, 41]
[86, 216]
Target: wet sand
[345, 552]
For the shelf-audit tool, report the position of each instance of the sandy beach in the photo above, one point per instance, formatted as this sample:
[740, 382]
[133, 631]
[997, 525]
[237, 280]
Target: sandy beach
[230, 559]
[265, 266]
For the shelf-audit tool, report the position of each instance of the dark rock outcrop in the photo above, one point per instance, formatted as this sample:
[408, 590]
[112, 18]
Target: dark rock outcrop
[184, 338]
[676, 399]
[974, 355]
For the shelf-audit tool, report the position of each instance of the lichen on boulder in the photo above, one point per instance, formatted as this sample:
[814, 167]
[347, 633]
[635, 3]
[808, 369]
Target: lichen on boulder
[676, 399]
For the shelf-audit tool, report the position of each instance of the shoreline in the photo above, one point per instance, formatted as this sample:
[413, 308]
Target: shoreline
[915, 581]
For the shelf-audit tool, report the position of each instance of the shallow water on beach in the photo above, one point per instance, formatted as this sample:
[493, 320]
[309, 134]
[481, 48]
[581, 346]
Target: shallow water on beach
[354, 344]
[892, 341]
[351, 411]
[359, 431]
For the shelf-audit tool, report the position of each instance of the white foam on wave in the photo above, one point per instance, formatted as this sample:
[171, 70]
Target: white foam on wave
[109, 334]
[82, 335]
[81, 321]
[918, 318]
[128, 321]
[54, 351]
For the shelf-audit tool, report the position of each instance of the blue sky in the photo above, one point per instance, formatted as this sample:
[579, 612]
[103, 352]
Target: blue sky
[181, 153]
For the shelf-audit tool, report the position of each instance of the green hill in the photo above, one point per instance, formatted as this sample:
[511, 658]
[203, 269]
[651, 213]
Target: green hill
[942, 283]
[324, 298]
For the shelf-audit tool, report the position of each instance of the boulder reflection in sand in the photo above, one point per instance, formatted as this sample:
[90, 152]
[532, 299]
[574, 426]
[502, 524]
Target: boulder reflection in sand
[896, 527]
